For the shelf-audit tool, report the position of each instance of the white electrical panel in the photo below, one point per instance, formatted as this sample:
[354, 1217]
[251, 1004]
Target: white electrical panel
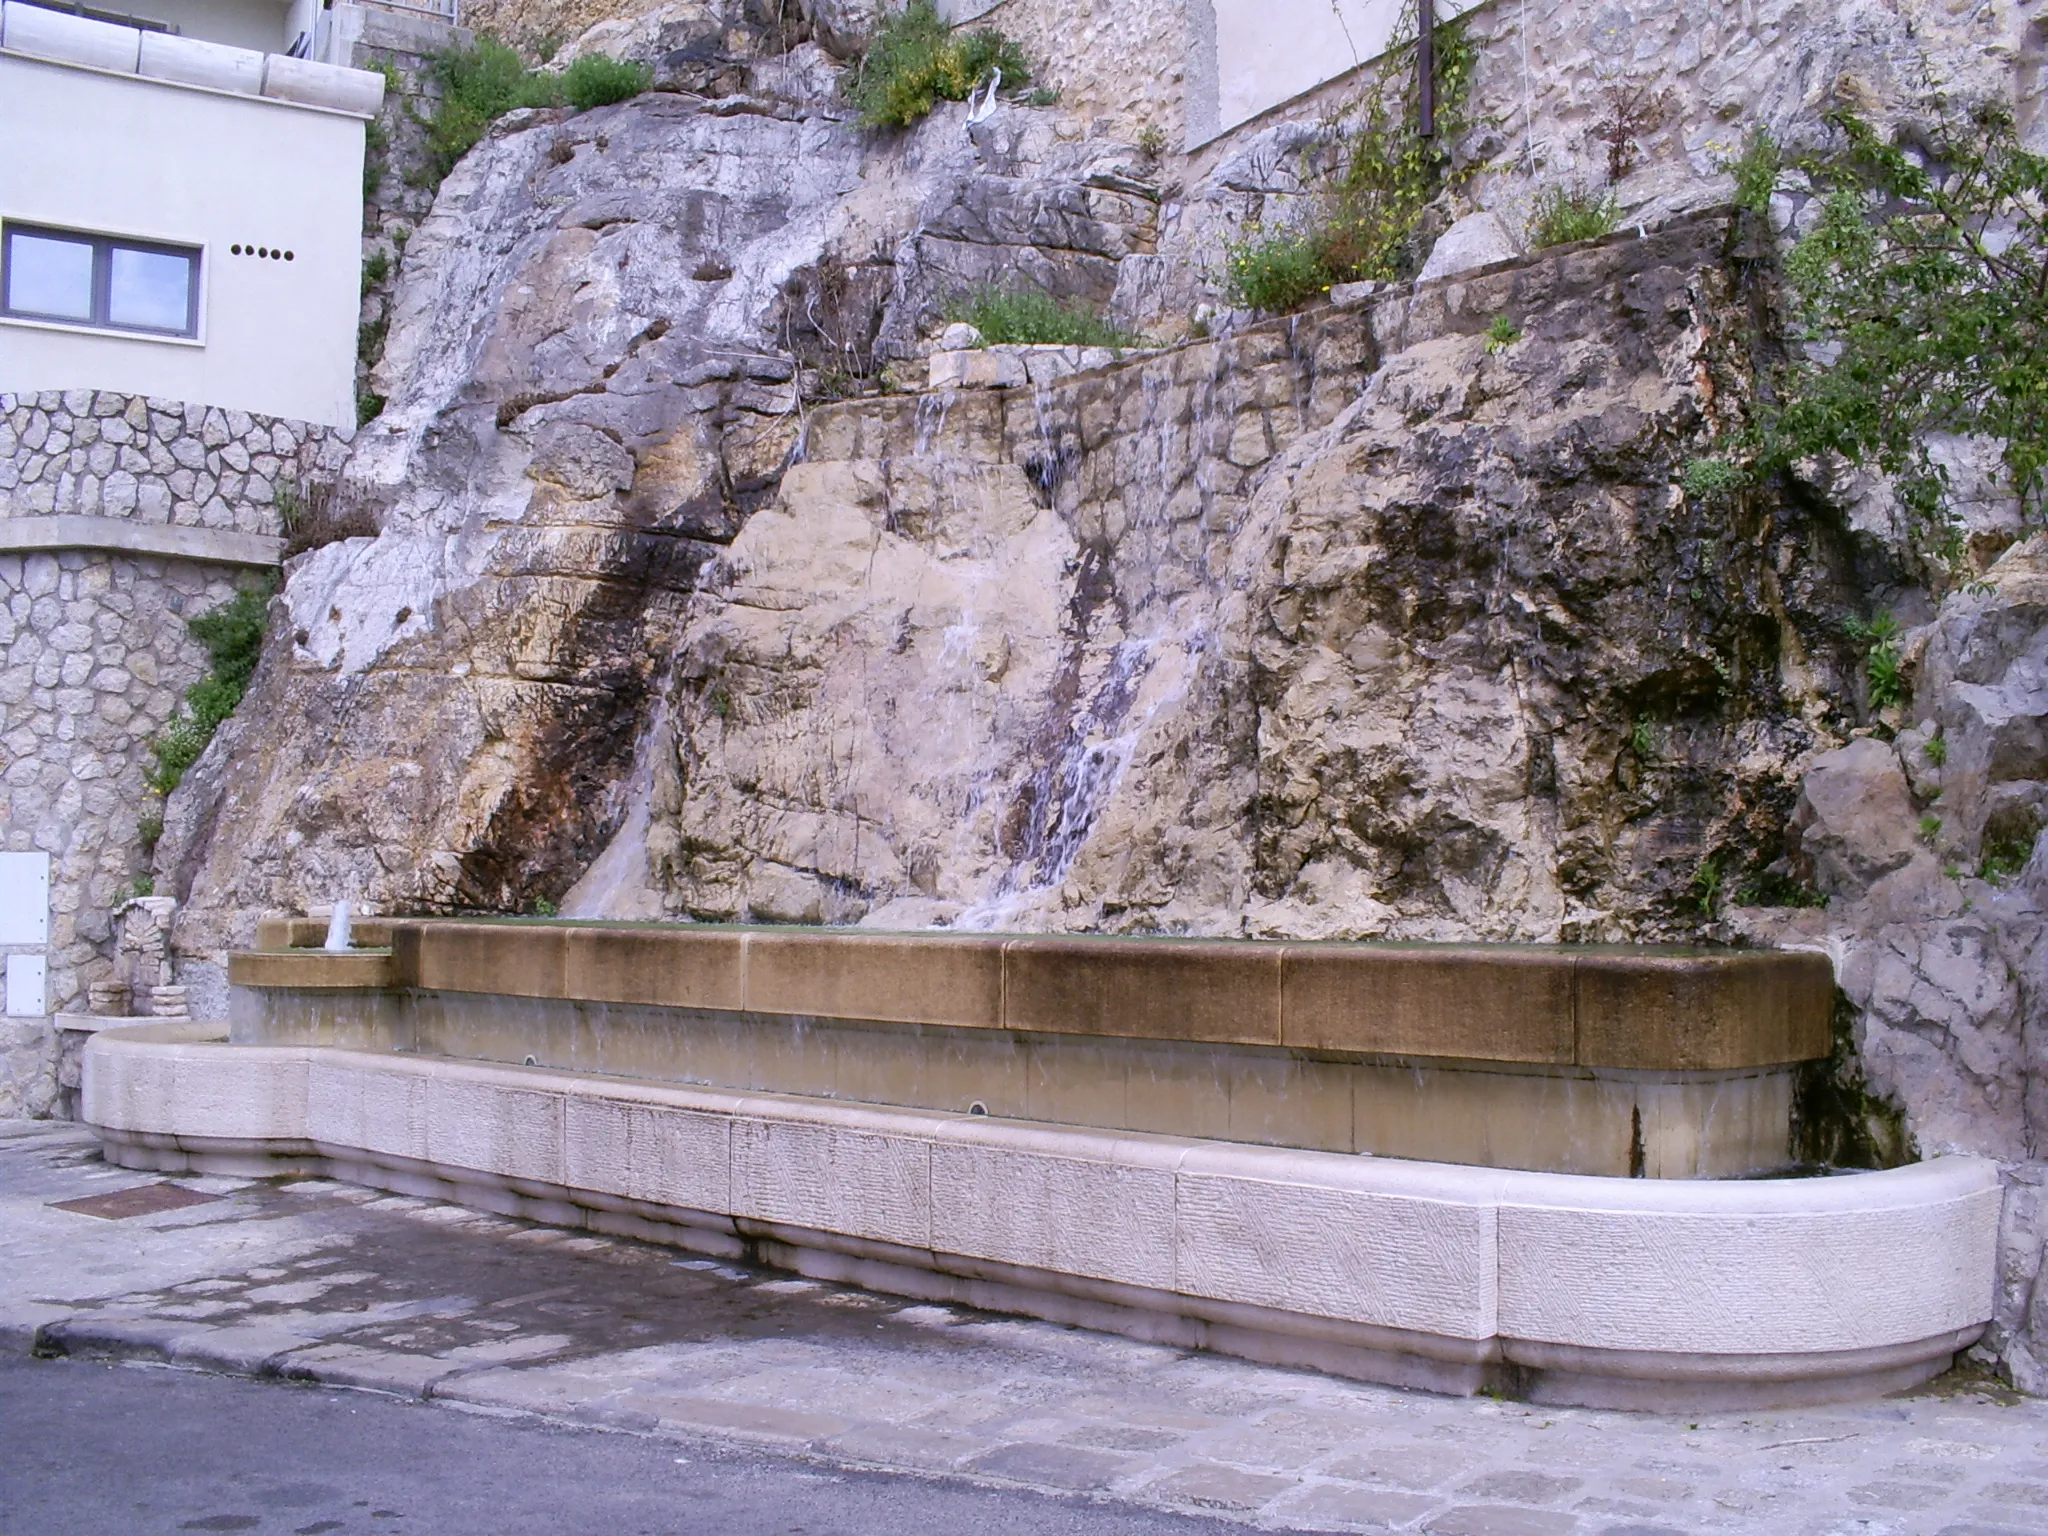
[24, 899]
[27, 996]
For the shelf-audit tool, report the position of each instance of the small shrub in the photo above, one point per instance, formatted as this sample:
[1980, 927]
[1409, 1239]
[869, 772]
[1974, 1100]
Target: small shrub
[1634, 111]
[1502, 334]
[1030, 318]
[916, 61]
[1642, 739]
[542, 907]
[2005, 852]
[369, 406]
[1930, 828]
[1277, 273]
[1711, 479]
[478, 86]
[376, 269]
[1042, 96]
[1707, 881]
[1756, 172]
[1152, 141]
[1936, 750]
[149, 831]
[376, 156]
[233, 637]
[597, 81]
[1882, 667]
[1564, 214]
[1774, 888]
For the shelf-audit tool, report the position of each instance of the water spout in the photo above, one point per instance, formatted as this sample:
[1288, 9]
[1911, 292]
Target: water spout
[338, 939]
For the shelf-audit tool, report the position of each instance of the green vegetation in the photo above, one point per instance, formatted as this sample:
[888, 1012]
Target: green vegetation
[481, 84]
[1030, 318]
[1921, 298]
[1930, 828]
[597, 81]
[1152, 141]
[1756, 172]
[2005, 851]
[1707, 881]
[376, 269]
[1879, 636]
[1276, 274]
[1642, 739]
[1773, 888]
[376, 156]
[916, 61]
[1364, 223]
[1564, 214]
[1502, 334]
[1711, 479]
[542, 907]
[1936, 750]
[233, 637]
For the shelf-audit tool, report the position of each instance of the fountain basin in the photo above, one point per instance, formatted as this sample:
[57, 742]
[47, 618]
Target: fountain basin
[1668, 1064]
[1619, 1292]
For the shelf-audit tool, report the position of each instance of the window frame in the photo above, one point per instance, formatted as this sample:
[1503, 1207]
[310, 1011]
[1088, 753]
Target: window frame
[103, 247]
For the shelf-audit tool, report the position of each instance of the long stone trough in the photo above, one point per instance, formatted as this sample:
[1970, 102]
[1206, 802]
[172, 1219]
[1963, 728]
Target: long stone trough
[1458, 1167]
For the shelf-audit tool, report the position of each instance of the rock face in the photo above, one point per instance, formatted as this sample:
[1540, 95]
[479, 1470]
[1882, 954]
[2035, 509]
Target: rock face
[593, 377]
[1343, 626]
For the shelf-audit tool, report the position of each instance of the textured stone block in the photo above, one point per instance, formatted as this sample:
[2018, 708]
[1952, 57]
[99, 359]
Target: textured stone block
[1703, 1011]
[1066, 1201]
[515, 959]
[857, 976]
[1391, 1244]
[860, 1172]
[677, 969]
[1178, 989]
[1491, 1002]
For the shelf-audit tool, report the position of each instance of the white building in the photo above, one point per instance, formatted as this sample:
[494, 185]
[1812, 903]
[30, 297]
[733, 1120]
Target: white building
[181, 217]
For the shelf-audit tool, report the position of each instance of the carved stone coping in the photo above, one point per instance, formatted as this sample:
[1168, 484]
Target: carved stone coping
[1641, 1009]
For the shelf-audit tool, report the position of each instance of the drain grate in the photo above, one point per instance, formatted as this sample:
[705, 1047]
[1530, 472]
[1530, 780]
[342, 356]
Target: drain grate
[142, 1200]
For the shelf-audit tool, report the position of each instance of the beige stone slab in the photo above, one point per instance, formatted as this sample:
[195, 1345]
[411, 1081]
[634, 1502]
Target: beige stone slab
[1174, 989]
[673, 967]
[1702, 1012]
[912, 980]
[1485, 1001]
[512, 959]
[313, 969]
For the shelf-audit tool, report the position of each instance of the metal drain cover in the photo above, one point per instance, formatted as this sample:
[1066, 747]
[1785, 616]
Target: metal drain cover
[142, 1200]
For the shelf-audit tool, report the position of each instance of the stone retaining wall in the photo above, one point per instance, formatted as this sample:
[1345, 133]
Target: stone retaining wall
[105, 454]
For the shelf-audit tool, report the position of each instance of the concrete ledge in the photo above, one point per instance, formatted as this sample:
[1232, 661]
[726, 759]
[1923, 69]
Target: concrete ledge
[1625, 1009]
[121, 535]
[314, 969]
[1609, 1291]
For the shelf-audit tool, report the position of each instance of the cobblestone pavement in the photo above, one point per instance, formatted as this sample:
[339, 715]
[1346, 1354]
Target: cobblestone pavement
[323, 1281]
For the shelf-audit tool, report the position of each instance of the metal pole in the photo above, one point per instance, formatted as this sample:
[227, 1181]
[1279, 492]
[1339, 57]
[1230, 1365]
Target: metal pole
[1425, 68]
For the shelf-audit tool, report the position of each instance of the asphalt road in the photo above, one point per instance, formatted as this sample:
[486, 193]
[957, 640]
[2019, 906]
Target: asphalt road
[95, 1449]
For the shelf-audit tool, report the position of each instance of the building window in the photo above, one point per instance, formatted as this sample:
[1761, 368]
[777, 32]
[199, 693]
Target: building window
[99, 280]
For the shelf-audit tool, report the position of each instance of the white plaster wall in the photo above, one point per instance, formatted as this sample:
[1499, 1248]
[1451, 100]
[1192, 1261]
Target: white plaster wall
[120, 154]
[257, 24]
[1260, 53]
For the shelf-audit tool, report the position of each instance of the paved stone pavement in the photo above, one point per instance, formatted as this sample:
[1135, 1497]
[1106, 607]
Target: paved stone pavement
[325, 1282]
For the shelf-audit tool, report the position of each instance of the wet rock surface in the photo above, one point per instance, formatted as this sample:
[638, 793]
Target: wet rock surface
[1351, 625]
[594, 371]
